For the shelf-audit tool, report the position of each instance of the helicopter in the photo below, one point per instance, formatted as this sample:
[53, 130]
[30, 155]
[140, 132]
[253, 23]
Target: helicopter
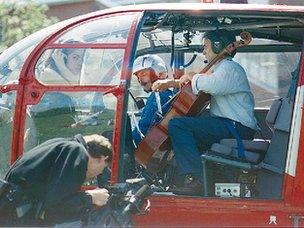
[264, 192]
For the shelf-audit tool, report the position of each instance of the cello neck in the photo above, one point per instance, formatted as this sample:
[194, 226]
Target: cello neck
[216, 59]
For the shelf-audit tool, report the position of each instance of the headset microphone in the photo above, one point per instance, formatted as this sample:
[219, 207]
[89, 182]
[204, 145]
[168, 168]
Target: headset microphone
[205, 61]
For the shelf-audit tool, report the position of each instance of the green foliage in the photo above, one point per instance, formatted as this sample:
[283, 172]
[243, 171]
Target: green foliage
[19, 19]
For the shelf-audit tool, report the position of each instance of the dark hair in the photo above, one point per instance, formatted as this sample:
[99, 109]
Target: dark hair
[98, 146]
[220, 39]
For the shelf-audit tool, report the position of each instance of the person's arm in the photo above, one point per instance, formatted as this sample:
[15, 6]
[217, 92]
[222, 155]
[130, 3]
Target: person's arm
[164, 84]
[58, 57]
[99, 196]
[85, 199]
[228, 78]
[147, 118]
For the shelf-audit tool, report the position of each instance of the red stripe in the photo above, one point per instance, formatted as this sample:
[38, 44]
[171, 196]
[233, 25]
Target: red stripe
[301, 81]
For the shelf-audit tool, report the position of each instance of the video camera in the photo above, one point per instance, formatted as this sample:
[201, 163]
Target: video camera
[125, 200]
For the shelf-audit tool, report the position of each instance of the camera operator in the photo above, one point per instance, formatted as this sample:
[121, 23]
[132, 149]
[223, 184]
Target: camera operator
[46, 182]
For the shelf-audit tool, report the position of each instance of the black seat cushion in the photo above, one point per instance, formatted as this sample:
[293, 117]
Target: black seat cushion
[254, 150]
[257, 145]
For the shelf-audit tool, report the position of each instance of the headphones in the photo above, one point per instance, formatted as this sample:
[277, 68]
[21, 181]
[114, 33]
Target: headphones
[219, 40]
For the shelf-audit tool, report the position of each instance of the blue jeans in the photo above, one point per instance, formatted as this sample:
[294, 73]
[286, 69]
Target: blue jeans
[190, 136]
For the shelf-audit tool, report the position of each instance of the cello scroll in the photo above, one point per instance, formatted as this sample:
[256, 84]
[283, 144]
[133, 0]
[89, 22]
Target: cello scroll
[246, 38]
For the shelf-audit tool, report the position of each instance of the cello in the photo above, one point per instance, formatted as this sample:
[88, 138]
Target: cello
[155, 147]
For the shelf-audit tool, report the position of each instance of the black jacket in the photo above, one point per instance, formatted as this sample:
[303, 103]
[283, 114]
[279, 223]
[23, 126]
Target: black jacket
[52, 173]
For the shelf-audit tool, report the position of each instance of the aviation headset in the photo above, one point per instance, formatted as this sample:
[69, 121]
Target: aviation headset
[219, 40]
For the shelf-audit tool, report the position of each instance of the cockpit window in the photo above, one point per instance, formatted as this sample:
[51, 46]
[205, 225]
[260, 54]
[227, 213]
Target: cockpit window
[65, 114]
[114, 29]
[76, 66]
[269, 74]
[12, 59]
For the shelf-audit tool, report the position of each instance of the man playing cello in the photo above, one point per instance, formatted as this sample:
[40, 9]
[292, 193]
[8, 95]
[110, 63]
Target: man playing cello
[232, 104]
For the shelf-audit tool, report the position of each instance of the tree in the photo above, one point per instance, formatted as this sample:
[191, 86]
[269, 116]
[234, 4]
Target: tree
[19, 19]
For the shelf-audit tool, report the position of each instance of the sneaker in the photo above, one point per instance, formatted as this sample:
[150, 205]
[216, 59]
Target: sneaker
[192, 187]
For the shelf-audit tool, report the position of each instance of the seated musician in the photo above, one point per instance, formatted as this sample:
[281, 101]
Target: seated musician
[148, 69]
[231, 111]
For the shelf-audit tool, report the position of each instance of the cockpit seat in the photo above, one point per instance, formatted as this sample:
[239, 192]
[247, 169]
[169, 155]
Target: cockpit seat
[226, 151]
[254, 150]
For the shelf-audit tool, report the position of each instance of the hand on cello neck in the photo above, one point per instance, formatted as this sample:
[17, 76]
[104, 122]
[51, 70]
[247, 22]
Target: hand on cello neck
[161, 85]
